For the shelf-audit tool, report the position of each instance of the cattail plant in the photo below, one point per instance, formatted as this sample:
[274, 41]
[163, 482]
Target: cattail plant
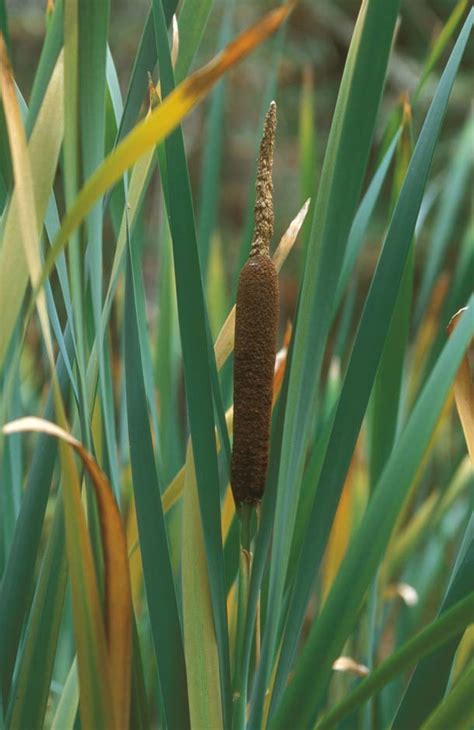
[256, 338]
[256, 324]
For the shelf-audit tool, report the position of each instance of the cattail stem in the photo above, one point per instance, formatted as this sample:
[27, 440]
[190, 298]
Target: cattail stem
[246, 514]
[258, 613]
[256, 325]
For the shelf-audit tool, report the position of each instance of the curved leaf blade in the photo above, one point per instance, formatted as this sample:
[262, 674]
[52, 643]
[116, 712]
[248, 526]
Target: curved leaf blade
[118, 600]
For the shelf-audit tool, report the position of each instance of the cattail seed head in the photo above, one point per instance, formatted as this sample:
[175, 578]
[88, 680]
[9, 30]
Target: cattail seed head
[264, 215]
[256, 339]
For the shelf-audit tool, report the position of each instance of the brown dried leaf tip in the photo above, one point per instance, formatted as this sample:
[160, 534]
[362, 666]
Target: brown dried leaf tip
[256, 327]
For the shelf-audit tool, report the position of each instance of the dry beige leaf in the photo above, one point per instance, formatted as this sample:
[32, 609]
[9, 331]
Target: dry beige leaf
[347, 664]
[464, 389]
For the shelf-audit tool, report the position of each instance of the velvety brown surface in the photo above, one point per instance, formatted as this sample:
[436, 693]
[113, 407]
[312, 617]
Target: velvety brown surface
[254, 361]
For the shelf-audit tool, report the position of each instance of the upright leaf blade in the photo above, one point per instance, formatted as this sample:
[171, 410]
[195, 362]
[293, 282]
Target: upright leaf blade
[193, 19]
[364, 360]
[301, 700]
[457, 710]
[388, 382]
[159, 583]
[192, 315]
[205, 702]
[29, 698]
[43, 147]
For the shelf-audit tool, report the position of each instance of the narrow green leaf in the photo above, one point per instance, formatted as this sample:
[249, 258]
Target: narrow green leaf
[205, 702]
[457, 710]
[4, 24]
[93, 27]
[364, 360]
[212, 155]
[144, 64]
[385, 399]
[46, 64]
[453, 622]
[31, 690]
[196, 348]
[167, 359]
[193, 17]
[307, 136]
[452, 196]
[139, 718]
[66, 711]
[71, 183]
[357, 234]
[302, 697]
[440, 44]
[159, 584]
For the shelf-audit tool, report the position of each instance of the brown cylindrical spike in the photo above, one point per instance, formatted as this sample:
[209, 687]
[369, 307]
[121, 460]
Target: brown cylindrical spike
[256, 339]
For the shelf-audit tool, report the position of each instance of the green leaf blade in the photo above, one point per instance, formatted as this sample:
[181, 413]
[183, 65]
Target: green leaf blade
[365, 358]
[340, 610]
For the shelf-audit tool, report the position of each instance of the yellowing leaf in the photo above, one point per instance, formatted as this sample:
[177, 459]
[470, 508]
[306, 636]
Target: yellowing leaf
[25, 199]
[343, 524]
[228, 513]
[158, 125]
[232, 616]
[118, 612]
[426, 335]
[43, 149]
[464, 389]
[200, 644]
[134, 557]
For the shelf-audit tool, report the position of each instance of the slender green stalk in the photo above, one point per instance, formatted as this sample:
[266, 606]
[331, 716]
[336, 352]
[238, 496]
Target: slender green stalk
[246, 513]
[372, 627]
